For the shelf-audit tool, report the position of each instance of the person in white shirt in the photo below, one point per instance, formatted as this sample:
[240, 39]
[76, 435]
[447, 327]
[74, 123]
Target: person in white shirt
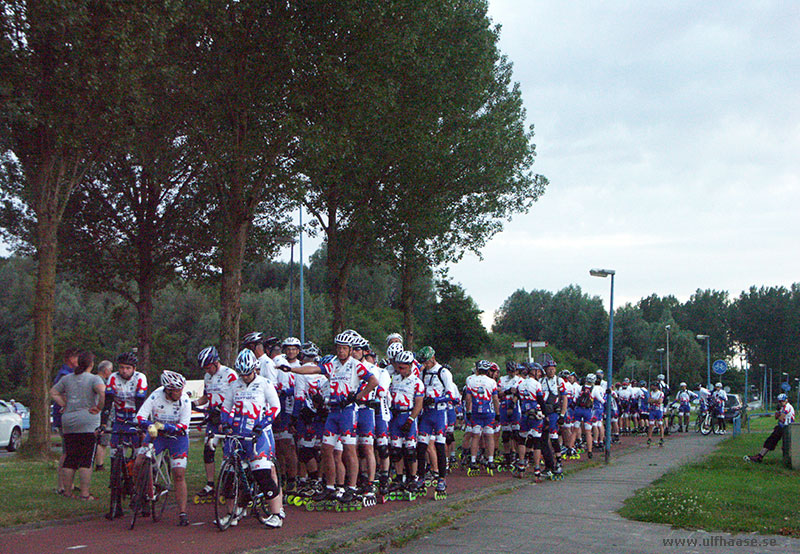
[785, 417]
[656, 417]
[720, 397]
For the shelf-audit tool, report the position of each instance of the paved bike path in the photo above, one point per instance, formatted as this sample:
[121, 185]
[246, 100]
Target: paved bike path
[579, 514]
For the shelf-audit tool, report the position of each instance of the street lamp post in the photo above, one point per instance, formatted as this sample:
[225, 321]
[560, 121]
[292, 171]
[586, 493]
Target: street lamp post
[746, 388]
[708, 357]
[290, 241]
[302, 291]
[660, 364]
[605, 273]
[764, 388]
[797, 382]
[668, 328]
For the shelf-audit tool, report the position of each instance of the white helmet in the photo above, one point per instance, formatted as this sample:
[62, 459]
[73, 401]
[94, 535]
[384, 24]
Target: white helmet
[405, 357]
[718, 385]
[394, 336]
[172, 380]
[683, 384]
[246, 362]
[394, 350]
[345, 338]
[291, 341]
[591, 378]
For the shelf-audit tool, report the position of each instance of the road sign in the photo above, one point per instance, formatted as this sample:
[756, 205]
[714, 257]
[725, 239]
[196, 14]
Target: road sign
[786, 386]
[531, 343]
[719, 367]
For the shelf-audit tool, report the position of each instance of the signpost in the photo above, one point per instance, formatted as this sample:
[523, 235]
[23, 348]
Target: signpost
[529, 344]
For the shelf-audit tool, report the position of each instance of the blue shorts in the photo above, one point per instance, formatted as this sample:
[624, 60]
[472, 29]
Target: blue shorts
[260, 451]
[684, 408]
[569, 419]
[656, 415]
[432, 422]
[124, 427]
[505, 419]
[552, 424]
[532, 426]
[598, 414]
[397, 436]
[178, 447]
[583, 415]
[450, 418]
[341, 423]
[365, 426]
[481, 423]
[633, 408]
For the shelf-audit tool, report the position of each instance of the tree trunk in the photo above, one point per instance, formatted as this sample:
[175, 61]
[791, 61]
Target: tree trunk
[338, 265]
[407, 302]
[43, 307]
[144, 309]
[230, 294]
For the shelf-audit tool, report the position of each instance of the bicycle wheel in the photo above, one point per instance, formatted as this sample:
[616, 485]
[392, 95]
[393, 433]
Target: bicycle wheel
[697, 421]
[116, 484]
[707, 425]
[226, 494]
[140, 499]
[162, 484]
[674, 424]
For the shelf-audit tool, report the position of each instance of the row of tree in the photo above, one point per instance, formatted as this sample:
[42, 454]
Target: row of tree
[146, 141]
[761, 324]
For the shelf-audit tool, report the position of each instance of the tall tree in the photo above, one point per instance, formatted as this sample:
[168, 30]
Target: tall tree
[706, 313]
[242, 130]
[456, 330]
[62, 68]
[523, 313]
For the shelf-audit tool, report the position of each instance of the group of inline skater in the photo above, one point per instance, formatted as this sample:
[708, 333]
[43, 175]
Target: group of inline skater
[345, 430]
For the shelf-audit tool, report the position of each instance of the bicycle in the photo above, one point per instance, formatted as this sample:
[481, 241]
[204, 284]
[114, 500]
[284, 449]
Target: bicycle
[236, 490]
[674, 418]
[121, 481]
[153, 483]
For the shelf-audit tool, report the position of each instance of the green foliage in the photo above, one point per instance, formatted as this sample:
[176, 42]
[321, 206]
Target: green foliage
[456, 330]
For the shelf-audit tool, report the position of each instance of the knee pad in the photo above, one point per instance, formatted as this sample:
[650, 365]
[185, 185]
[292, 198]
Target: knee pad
[383, 451]
[306, 454]
[397, 454]
[266, 483]
[410, 455]
[506, 436]
[208, 454]
[556, 446]
[521, 438]
[529, 442]
[450, 438]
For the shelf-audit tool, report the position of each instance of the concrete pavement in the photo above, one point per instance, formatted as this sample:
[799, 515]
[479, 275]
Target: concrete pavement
[584, 508]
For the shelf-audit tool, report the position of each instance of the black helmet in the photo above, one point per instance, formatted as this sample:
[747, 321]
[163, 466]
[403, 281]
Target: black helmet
[128, 358]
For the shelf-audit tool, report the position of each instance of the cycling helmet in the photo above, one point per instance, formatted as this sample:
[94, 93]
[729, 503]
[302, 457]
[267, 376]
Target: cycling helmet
[172, 381]
[207, 355]
[718, 385]
[493, 367]
[405, 357]
[326, 359]
[253, 338]
[360, 342]
[550, 362]
[246, 362]
[270, 342]
[564, 373]
[393, 336]
[599, 373]
[483, 366]
[128, 358]
[591, 378]
[660, 377]
[425, 353]
[344, 338]
[511, 366]
[782, 397]
[394, 350]
[626, 381]
[309, 350]
[536, 365]
[291, 341]
[523, 369]
[683, 384]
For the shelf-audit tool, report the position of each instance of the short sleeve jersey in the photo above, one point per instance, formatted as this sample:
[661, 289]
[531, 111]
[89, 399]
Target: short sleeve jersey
[438, 381]
[159, 408]
[404, 391]
[218, 384]
[307, 386]
[344, 377]
[530, 392]
[248, 404]
[125, 394]
[788, 412]
[657, 399]
[481, 389]
[508, 384]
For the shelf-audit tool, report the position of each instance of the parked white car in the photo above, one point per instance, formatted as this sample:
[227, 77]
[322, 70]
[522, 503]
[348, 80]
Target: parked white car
[10, 427]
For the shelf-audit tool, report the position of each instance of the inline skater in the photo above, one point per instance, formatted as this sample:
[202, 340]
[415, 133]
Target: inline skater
[655, 413]
[720, 399]
[705, 399]
[509, 414]
[570, 429]
[529, 438]
[126, 391]
[344, 374]
[785, 417]
[453, 407]
[407, 396]
[481, 403]
[584, 416]
[438, 382]
[284, 426]
[624, 395]
[217, 379]
[598, 413]
[555, 408]
[644, 407]
[684, 398]
[633, 406]
[165, 415]
[366, 426]
[249, 410]
[310, 405]
[259, 345]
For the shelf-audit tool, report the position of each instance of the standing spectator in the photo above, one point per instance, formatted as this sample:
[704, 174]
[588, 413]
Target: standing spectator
[104, 370]
[69, 365]
[81, 396]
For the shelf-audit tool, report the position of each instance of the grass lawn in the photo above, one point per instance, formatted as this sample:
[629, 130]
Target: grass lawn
[724, 493]
[29, 489]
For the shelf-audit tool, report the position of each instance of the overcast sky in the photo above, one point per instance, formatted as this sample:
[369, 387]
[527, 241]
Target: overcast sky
[670, 133]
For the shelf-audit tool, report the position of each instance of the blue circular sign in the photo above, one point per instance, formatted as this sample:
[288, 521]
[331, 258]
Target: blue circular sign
[786, 386]
[719, 367]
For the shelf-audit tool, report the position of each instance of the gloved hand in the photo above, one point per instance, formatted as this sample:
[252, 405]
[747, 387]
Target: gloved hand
[405, 428]
[428, 401]
[225, 429]
[306, 415]
[154, 428]
[257, 429]
[318, 401]
[560, 419]
[351, 397]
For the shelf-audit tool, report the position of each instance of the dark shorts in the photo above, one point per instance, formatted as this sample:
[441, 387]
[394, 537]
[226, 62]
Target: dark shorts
[79, 450]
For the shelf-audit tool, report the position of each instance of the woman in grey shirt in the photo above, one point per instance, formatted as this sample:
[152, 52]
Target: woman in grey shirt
[81, 396]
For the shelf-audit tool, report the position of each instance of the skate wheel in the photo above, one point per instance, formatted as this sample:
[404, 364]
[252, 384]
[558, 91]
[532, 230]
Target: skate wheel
[196, 499]
[310, 507]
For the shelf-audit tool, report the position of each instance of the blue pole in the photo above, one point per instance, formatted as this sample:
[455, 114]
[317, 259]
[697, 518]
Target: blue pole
[708, 360]
[302, 305]
[610, 371]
